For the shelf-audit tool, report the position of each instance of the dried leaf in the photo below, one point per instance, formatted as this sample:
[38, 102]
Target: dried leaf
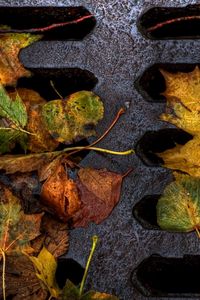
[16, 228]
[21, 280]
[92, 295]
[60, 193]
[55, 237]
[11, 68]
[74, 118]
[46, 265]
[25, 163]
[179, 207]
[100, 192]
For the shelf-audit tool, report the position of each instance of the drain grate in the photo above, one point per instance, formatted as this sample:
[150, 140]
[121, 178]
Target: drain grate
[109, 58]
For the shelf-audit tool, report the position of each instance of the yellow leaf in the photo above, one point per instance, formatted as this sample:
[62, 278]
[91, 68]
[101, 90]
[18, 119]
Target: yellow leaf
[46, 265]
[11, 68]
[183, 110]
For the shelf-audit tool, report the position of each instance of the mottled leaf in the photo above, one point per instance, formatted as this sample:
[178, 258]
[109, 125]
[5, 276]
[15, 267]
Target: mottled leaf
[16, 228]
[11, 68]
[74, 118]
[178, 209]
[46, 265]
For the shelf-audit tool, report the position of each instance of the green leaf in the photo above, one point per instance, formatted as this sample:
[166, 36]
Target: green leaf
[73, 118]
[14, 111]
[46, 265]
[70, 291]
[13, 119]
[179, 207]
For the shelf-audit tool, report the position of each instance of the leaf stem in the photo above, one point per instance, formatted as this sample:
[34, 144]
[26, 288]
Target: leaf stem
[3, 274]
[17, 129]
[55, 90]
[131, 151]
[94, 244]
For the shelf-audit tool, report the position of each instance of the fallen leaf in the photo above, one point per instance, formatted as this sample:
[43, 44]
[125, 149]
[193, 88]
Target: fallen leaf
[21, 280]
[74, 118]
[25, 163]
[60, 194]
[100, 192]
[46, 265]
[178, 209]
[183, 110]
[13, 120]
[11, 68]
[16, 228]
[183, 100]
[71, 292]
[54, 237]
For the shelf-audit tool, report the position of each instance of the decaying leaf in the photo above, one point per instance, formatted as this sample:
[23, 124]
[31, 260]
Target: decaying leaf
[61, 194]
[11, 68]
[21, 280]
[25, 163]
[183, 110]
[46, 265]
[89, 198]
[74, 118]
[16, 228]
[178, 209]
[54, 237]
[100, 192]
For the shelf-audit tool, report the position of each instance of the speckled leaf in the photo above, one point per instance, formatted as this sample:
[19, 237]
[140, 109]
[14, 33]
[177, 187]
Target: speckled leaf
[16, 228]
[11, 68]
[179, 207]
[74, 118]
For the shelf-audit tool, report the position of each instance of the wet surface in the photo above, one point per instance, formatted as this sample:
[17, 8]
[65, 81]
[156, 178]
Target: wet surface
[117, 54]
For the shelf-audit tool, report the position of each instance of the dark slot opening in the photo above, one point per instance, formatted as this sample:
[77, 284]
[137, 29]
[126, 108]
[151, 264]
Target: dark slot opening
[159, 276]
[153, 142]
[171, 23]
[25, 18]
[68, 269]
[65, 80]
[145, 212]
[151, 83]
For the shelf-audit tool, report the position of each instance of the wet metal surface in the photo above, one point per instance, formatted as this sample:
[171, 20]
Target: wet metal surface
[117, 54]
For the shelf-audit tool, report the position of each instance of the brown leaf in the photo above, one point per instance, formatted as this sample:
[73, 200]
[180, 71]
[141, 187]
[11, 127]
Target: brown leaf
[21, 280]
[25, 163]
[60, 193]
[100, 192]
[55, 237]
